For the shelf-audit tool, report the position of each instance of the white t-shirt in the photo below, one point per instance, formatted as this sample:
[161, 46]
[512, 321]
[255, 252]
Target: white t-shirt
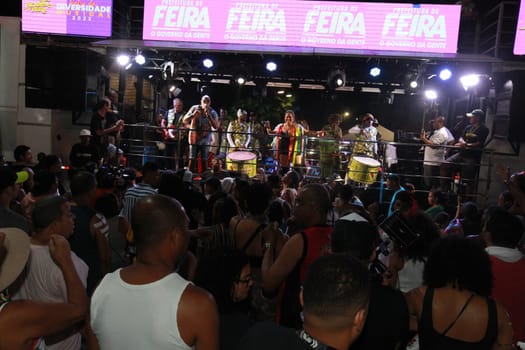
[45, 283]
[411, 275]
[434, 155]
[128, 316]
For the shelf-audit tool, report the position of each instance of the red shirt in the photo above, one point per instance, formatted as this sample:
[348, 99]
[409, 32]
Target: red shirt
[509, 290]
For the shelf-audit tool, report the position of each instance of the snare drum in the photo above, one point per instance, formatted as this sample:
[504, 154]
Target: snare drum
[244, 162]
[363, 169]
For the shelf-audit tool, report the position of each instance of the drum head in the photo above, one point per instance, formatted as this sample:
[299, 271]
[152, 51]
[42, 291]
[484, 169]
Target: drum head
[367, 161]
[241, 156]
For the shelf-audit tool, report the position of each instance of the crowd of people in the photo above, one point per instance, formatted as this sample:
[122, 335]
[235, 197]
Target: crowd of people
[154, 258]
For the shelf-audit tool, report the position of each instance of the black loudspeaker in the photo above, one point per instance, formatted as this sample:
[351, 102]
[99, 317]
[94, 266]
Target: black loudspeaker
[510, 101]
[58, 78]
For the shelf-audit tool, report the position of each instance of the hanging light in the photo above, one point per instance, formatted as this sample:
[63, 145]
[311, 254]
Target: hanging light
[123, 60]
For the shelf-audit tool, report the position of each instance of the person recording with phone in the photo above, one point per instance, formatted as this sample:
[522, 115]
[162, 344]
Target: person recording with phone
[201, 118]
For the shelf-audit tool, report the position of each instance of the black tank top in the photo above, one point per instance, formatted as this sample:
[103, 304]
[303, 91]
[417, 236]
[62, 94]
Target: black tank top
[429, 339]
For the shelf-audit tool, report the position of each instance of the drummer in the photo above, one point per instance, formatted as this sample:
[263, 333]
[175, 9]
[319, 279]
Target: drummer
[239, 132]
[367, 133]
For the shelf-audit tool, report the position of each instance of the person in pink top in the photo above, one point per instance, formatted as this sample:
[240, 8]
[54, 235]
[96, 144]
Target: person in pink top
[501, 234]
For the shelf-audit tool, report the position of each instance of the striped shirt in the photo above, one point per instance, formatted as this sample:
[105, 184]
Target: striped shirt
[133, 194]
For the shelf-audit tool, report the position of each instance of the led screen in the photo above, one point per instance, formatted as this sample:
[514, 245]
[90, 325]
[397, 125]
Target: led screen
[316, 24]
[67, 17]
[519, 43]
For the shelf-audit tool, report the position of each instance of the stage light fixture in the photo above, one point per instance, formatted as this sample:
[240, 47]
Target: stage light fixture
[375, 71]
[431, 94]
[123, 60]
[140, 59]
[207, 63]
[469, 81]
[336, 78]
[128, 66]
[150, 76]
[280, 92]
[289, 95]
[413, 84]
[240, 79]
[271, 66]
[445, 74]
[167, 70]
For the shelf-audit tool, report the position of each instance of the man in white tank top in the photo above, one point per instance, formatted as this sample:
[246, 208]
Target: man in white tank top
[148, 305]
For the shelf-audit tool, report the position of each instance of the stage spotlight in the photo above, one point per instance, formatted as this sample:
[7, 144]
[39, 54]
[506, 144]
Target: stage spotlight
[123, 60]
[280, 92]
[128, 66]
[140, 59]
[240, 79]
[445, 74]
[375, 72]
[271, 66]
[431, 94]
[150, 76]
[168, 69]
[289, 95]
[469, 81]
[336, 78]
[413, 84]
[207, 63]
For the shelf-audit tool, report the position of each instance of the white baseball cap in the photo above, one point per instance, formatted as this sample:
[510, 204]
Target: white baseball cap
[85, 132]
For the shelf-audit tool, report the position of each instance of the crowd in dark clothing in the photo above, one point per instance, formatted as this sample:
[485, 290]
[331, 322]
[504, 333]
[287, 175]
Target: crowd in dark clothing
[446, 276]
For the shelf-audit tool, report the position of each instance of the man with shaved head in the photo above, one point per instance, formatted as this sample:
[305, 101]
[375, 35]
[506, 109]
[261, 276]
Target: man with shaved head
[434, 151]
[309, 211]
[148, 305]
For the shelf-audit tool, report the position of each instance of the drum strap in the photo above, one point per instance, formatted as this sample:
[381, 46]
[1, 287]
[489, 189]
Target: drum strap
[252, 237]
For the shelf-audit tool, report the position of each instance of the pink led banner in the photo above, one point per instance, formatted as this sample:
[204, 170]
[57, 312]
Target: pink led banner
[68, 17]
[316, 24]
[519, 42]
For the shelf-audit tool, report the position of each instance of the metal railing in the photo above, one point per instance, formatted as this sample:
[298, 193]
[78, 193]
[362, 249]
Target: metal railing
[323, 157]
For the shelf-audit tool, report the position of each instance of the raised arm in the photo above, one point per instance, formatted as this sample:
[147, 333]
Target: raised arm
[28, 320]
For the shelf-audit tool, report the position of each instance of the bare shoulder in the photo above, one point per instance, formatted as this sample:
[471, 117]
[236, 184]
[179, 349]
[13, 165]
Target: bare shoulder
[198, 319]
[196, 298]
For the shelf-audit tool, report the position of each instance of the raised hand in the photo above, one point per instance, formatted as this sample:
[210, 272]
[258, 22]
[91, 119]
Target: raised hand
[60, 250]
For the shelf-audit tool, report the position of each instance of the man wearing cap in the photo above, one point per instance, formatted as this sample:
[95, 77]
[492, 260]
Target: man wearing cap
[367, 133]
[84, 152]
[239, 132]
[434, 152]
[9, 188]
[24, 322]
[471, 144]
[201, 118]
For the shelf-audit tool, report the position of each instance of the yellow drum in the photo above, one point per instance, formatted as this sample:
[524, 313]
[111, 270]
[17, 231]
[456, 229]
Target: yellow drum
[363, 169]
[244, 162]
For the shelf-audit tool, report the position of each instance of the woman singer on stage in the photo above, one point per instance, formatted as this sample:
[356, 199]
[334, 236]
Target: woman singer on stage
[288, 140]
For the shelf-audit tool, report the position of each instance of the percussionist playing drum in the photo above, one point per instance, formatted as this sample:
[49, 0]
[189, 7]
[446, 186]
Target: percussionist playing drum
[363, 166]
[366, 137]
[239, 132]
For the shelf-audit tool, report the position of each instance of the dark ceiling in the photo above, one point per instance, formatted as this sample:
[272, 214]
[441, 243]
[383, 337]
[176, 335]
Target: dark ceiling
[315, 69]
